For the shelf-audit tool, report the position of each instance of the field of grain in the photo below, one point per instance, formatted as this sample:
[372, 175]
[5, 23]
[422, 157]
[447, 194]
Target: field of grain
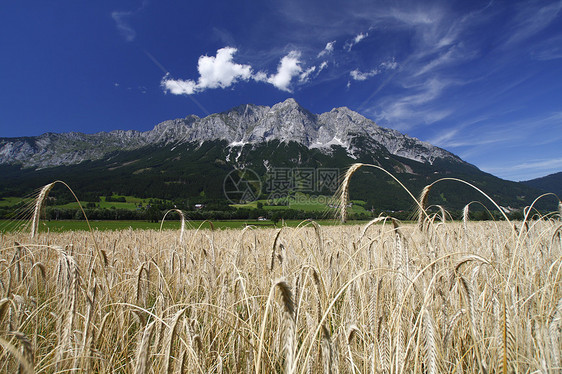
[389, 298]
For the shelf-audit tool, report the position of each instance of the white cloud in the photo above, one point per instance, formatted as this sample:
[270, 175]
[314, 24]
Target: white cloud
[287, 69]
[359, 37]
[349, 44]
[328, 49]
[323, 66]
[178, 86]
[359, 76]
[220, 71]
[214, 72]
[260, 76]
[389, 65]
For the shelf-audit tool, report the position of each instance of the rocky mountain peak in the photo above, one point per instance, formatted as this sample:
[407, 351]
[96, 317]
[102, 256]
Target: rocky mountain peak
[287, 122]
[288, 103]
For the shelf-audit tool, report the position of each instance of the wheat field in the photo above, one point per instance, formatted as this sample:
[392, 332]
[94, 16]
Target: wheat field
[385, 297]
[473, 297]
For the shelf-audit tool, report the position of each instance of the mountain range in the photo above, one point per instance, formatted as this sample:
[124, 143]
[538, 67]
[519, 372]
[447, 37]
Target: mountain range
[245, 124]
[190, 157]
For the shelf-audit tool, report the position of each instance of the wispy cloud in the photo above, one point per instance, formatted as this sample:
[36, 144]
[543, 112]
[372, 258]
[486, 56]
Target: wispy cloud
[441, 44]
[305, 75]
[358, 75]
[549, 49]
[506, 145]
[405, 111]
[349, 44]
[530, 169]
[123, 25]
[449, 57]
[123, 22]
[492, 129]
[531, 18]
[448, 136]
[329, 49]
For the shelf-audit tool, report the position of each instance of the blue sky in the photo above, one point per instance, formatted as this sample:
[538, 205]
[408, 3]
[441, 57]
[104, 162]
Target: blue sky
[480, 79]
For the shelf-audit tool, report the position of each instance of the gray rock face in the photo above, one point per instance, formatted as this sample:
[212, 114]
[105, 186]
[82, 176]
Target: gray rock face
[246, 124]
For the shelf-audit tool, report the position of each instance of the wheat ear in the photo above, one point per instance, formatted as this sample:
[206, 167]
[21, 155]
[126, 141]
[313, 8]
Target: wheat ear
[289, 323]
[274, 249]
[344, 191]
[508, 340]
[143, 350]
[465, 213]
[327, 352]
[182, 217]
[429, 344]
[38, 205]
[554, 332]
[423, 204]
[352, 330]
[170, 340]
[318, 233]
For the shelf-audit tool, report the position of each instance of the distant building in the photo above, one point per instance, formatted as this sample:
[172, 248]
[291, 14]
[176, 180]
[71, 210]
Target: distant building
[199, 206]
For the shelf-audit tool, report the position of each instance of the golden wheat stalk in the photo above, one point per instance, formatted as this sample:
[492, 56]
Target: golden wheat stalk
[422, 206]
[343, 191]
[38, 205]
[182, 217]
[143, 350]
[289, 323]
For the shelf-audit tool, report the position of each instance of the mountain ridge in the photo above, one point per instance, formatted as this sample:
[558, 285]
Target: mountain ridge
[245, 124]
[548, 183]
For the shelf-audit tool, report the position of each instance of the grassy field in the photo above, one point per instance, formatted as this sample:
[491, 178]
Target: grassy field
[131, 202]
[298, 202]
[307, 203]
[10, 201]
